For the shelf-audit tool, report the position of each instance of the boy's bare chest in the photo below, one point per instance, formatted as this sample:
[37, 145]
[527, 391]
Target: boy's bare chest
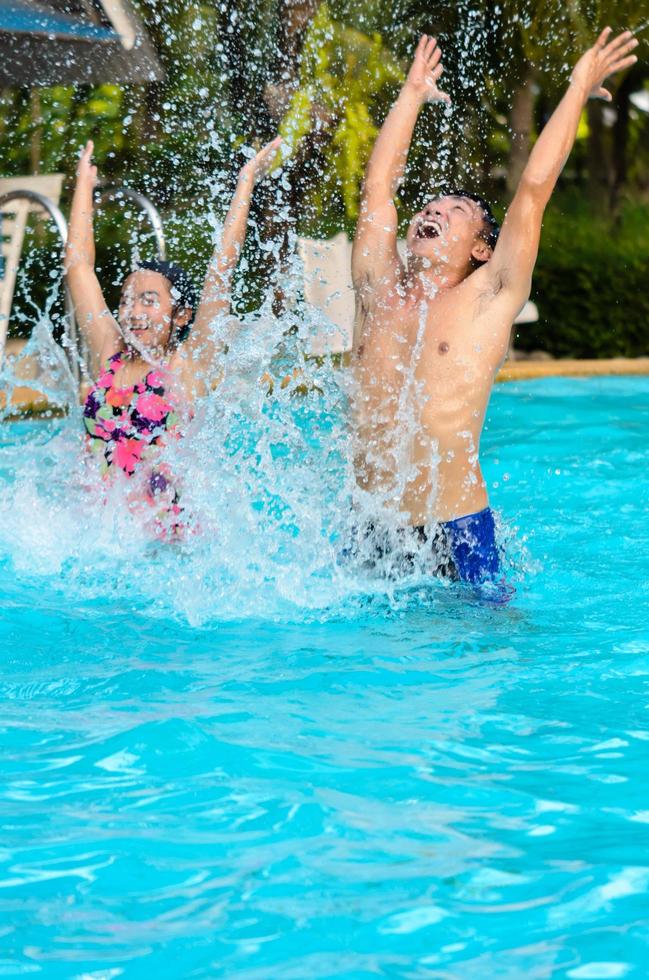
[437, 336]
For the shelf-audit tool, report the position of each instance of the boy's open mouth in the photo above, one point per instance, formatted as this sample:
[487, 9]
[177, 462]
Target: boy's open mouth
[428, 229]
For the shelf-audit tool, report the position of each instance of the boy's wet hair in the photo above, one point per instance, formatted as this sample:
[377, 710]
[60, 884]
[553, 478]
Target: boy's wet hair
[182, 285]
[491, 226]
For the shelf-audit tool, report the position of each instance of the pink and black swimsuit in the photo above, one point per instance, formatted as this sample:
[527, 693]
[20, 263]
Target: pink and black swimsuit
[123, 424]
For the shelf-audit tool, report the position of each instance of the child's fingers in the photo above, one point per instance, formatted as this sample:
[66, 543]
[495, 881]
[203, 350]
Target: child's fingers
[620, 41]
[421, 47]
[435, 57]
[603, 38]
[622, 64]
[431, 46]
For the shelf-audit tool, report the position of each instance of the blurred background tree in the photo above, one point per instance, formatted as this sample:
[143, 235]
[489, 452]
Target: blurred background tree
[324, 74]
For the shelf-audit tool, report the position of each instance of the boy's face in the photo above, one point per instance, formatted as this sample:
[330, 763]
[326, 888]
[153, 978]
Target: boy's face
[449, 229]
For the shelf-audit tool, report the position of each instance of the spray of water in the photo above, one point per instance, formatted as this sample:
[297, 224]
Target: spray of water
[266, 485]
[270, 504]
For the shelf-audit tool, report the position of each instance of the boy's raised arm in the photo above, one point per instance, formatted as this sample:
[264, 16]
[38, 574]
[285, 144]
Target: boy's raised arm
[510, 269]
[376, 233]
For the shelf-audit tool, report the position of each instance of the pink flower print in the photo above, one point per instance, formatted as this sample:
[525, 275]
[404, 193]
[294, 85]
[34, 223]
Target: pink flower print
[105, 379]
[104, 428]
[155, 379]
[151, 407]
[119, 397]
[127, 454]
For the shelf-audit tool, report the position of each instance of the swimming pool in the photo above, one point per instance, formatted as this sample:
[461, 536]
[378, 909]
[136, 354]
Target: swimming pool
[333, 787]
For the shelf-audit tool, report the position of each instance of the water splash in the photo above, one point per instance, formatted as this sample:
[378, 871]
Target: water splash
[267, 486]
[267, 481]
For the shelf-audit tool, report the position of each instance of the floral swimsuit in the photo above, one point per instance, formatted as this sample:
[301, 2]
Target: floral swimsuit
[123, 424]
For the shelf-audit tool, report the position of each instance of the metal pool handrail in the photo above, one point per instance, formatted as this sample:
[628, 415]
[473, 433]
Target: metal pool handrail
[107, 192]
[110, 192]
[70, 325]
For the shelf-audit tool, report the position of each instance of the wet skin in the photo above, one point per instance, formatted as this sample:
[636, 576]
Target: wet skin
[429, 336]
[149, 317]
[146, 317]
[427, 347]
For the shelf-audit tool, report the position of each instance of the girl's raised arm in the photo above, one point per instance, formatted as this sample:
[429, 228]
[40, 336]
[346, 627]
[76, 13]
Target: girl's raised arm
[96, 323]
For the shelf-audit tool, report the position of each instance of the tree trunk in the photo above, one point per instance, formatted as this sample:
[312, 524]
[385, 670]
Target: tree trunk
[599, 163]
[37, 131]
[631, 81]
[521, 122]
[280, 212]
[294, 19]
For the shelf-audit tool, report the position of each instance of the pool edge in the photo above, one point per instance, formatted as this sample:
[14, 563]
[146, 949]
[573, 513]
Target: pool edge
[27, 401]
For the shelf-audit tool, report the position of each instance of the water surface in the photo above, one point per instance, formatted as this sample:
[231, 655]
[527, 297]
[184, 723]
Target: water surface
[251, 767]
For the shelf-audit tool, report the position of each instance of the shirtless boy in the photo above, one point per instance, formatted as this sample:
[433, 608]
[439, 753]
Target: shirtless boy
[430, 335]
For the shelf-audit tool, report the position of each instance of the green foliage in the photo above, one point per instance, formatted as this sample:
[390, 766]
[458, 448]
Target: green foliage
[590, 284]
[342, 73]
[175, 139]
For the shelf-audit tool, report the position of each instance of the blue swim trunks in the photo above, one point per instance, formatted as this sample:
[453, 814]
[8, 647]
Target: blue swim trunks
[464, 549]
[471, 545]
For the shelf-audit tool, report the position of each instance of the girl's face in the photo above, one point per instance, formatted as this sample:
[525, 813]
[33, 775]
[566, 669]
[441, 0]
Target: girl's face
[146, 311]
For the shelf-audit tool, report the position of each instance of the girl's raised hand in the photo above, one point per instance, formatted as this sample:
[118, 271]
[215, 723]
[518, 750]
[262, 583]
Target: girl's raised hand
[262, 162]
[86, 170]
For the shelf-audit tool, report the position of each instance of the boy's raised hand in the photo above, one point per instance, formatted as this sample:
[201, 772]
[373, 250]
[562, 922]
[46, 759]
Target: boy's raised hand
[426, 70]
[605, 58]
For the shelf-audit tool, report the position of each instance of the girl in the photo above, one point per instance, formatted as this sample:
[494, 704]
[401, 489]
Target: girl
[160, 353]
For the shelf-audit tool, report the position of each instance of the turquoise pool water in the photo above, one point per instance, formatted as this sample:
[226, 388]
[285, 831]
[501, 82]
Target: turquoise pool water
[418, 787]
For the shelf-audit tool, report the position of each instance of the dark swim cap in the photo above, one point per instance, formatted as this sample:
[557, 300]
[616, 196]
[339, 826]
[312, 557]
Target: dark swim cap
[182, 284]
